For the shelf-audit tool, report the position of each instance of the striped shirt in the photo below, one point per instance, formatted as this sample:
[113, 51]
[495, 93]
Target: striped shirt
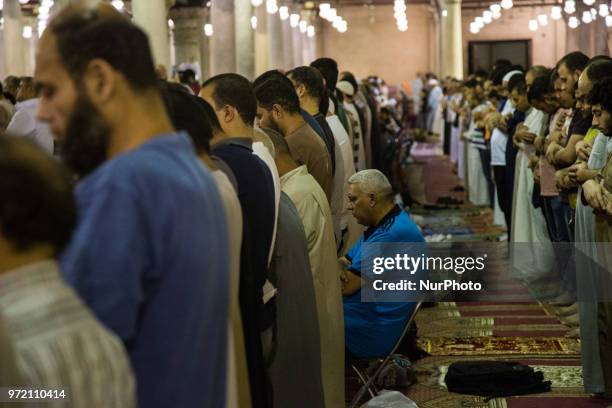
[60, 344]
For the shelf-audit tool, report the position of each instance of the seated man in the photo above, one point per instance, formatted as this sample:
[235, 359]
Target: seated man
[57, 340]
[372, 328]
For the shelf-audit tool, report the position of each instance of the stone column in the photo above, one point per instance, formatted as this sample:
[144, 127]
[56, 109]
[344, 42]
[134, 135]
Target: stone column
[275, 42]
[15, 46]
[190, 43]
[287, 45]
[152, 17]
[452, 43]
[245, 39]
[223, 41]
[261, 41]
[298, 45]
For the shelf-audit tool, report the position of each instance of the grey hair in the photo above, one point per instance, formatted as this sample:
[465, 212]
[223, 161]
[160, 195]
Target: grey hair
[372, 181]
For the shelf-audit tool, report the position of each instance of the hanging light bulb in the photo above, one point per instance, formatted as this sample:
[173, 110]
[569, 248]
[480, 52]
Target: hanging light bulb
[543, 20]
[344, 27]
[497, 16]
[271, 6]
[487, 17]
[604, 10]
[593, 13]
[555, 13]
[332, 14]
[208, 30]
[586, 17]
[256, 3]
[294, 20]
[479, 24]
[26, 32]
[303, 26]
[283, 12]
[533, 24]
[254, 22]
[608, 21]
[573, 22]
[570, 7]
[588, 2]
[506, 4]
[399, 6]
[495, 8]
[444, 13]
[118, 4]
[474, 28]
[310, 31]
[171, 24]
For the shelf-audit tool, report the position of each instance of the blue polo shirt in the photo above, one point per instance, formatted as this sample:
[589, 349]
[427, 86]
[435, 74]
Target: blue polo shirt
[149, 257]
[372, 328]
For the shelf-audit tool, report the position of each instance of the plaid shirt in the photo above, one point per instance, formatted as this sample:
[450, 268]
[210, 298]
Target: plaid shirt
[59, 343]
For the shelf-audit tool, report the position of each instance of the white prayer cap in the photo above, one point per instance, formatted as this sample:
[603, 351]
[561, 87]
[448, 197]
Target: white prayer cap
[510, 75]
[432, 82]
[346, 88]
[332, 107]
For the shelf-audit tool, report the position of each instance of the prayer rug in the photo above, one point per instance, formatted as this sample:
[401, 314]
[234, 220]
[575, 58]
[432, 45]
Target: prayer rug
[458, 346]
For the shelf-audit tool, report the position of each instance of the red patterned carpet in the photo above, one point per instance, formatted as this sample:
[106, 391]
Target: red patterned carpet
[524, 331]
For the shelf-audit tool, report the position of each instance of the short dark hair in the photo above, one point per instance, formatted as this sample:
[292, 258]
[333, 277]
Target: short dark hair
[187, 114]
[276, 92]
[329, 69]
[539, 88]
[602, 94]
[280, 144]
[599, 69]
[574, 61]
[84, 34]
[312, 80]
[234, 90]
[472, 83]
[538, 70]
[498, 74]
[38, 205]
[481, 73]
[517, 82]
[271, 74]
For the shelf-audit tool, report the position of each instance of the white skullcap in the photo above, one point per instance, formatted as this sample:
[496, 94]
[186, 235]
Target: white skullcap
[332, 107]
[346, 88]
[510, 75]
[432, 82]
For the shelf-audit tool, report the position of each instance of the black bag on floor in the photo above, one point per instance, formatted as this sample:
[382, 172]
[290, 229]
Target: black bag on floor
[494, 379]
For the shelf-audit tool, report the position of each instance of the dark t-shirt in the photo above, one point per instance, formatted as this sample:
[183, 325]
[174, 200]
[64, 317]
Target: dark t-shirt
[579, 125]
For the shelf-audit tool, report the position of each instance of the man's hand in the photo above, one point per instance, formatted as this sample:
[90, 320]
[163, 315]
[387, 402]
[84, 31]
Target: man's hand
[528, 137]
[553, 148]
[556, 137]
[573, 169]
[583, 150]
[539, 143]
[593, 193]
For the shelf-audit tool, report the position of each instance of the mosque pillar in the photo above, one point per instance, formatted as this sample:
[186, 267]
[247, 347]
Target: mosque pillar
[452, 43]
[287, 45]
[261, 41]
[152, 17]
[245, 40]
[190, 43]
[15, 46]
[223, 41]
[275, 42]
[298, 45]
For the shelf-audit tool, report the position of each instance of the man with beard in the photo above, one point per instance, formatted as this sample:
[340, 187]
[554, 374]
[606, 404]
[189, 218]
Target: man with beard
[149, 255]
[278, 108]
[598, 193]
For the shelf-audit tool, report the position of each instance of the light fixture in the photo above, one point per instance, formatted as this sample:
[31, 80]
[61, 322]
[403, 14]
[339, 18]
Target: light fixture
[474, 28]
[324, 7]
[118, 4]
[1, 7]
[586, 17]
[256, 3]
[479, 24]
[555, 13]
[573, 22]
[42, 25]
[343, 28]
[593, 13]
[27, 32]
[487, 16]
[171, 24]
[533, 24]
[588, 2]
[506, 4]
[254, 22]
[208, 30]
[310, 31]
[608, 21]
[400, 6]
[497, 16]
[543, 20]
[444, 13]
[570, 7]
[604, 10]
[303, 26]
[24, 1]
[294, 20]
[333, 13]
[271, 6]
[495, 8]
[283, 12]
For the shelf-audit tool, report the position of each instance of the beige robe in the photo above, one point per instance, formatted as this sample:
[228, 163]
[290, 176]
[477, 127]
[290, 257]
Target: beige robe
[237, 386]
[311, 203]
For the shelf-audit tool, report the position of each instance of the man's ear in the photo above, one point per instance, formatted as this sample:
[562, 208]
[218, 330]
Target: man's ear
[100, 81]
[228, 113]
[372, 202]
[277, 112]
[301, 91]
